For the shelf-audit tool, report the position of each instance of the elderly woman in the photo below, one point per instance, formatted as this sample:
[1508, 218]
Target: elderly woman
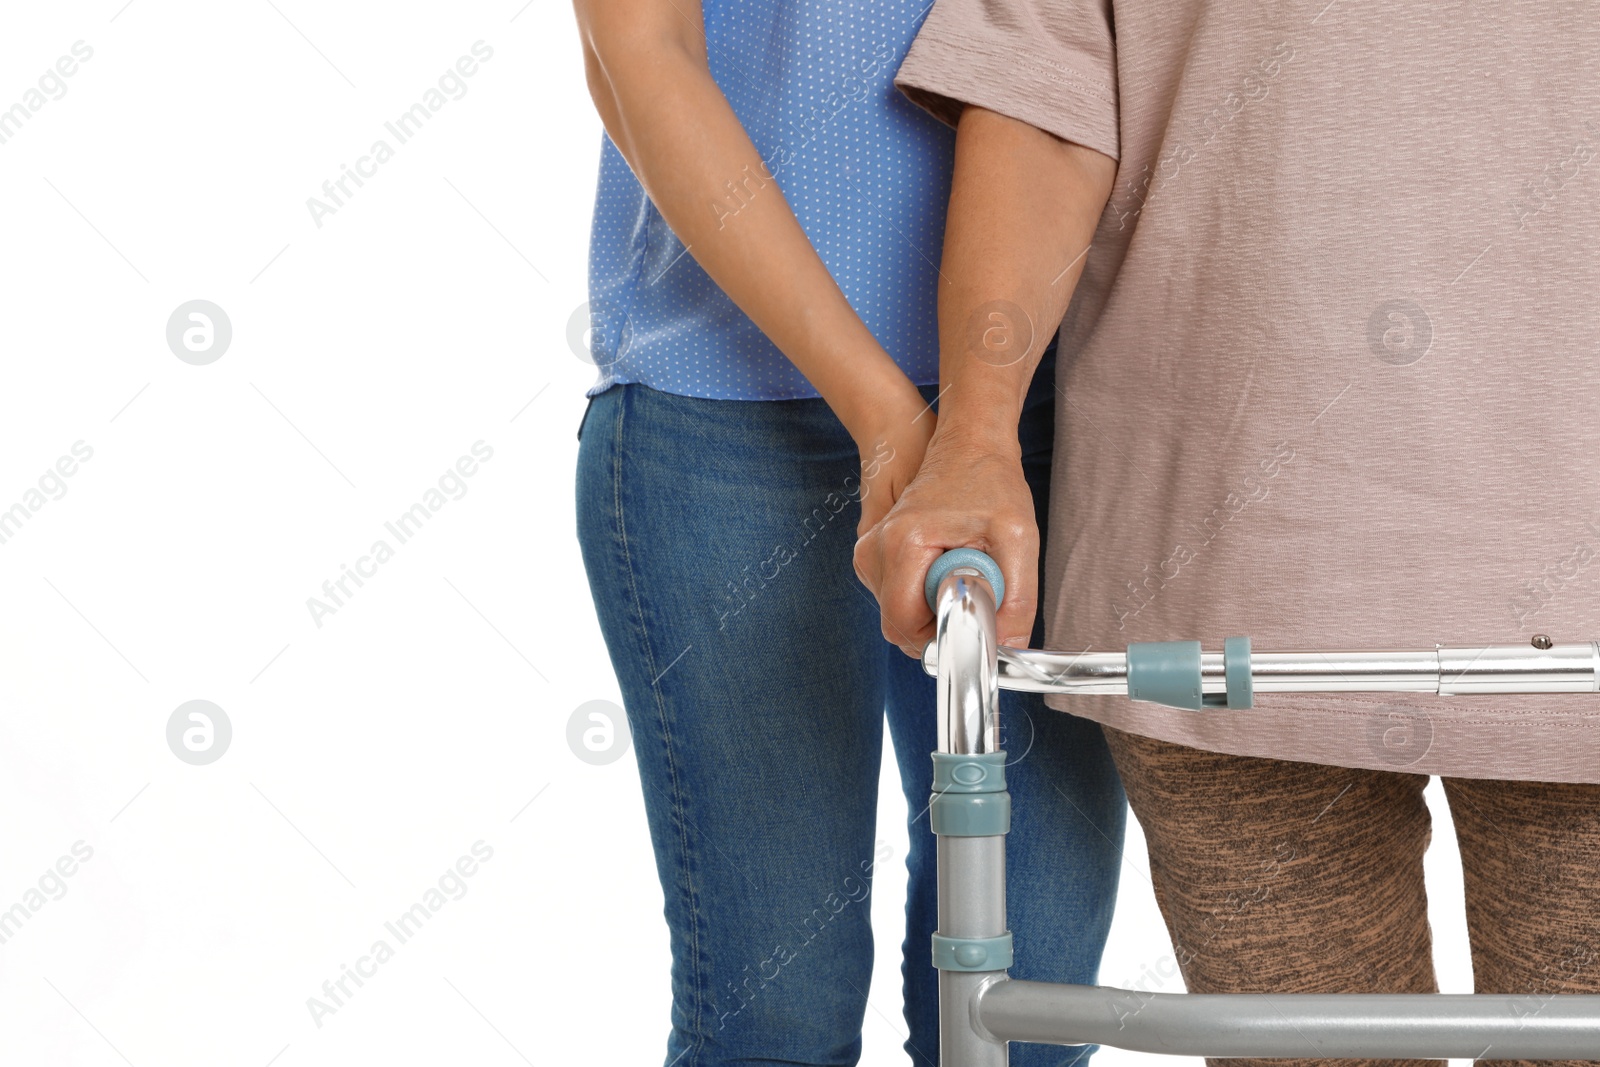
[762, 298]
[1326, 279]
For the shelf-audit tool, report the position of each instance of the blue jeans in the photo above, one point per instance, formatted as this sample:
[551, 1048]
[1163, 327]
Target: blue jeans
[717, 536]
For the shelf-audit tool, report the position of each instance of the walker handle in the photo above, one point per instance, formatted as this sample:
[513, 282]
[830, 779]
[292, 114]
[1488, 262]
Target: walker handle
[964, 557]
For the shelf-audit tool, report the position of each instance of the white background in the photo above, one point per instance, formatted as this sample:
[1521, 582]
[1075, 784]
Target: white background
[428, 712]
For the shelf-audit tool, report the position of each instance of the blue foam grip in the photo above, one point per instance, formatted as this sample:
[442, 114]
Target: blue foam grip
[964, 557]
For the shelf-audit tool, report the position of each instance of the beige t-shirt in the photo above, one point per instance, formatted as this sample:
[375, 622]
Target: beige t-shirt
[1330, 378]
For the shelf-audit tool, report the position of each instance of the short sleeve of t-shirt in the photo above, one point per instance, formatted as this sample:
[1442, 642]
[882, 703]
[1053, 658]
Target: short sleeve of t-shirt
[1049, 63]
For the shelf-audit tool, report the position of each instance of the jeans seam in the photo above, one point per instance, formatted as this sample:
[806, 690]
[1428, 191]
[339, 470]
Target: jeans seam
[680, 817]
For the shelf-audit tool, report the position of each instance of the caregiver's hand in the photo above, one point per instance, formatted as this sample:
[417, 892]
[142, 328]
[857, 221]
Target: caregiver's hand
[969, 492]
[892, 447]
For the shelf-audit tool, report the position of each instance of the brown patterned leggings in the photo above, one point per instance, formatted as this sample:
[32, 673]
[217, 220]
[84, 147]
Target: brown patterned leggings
[1287, 877]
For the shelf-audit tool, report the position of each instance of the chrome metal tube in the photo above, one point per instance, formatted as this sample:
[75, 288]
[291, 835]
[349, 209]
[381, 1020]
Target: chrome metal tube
[979, 1011]
[961, 1043]
[1334, 672]
[964, 641]
[971, 870]
[1569, 668]
[1318, 1026]
[1557, 669]
[972, 903]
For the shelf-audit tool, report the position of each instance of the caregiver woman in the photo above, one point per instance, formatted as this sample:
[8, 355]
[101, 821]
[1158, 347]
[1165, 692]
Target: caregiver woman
[762, 298]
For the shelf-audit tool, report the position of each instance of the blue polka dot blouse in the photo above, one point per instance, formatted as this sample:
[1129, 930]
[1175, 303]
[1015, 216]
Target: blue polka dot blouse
[866, 172]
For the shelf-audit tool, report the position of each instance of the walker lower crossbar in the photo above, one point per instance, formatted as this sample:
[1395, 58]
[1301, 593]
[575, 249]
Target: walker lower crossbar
[1293, 1025]
[981, 1009]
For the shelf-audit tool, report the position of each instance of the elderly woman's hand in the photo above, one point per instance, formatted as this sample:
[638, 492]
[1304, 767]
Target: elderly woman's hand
[969, 492]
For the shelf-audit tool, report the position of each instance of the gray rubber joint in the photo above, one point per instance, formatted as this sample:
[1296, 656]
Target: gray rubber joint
[972, 953]
[1168, 672]
[970, 814]
[985, 773]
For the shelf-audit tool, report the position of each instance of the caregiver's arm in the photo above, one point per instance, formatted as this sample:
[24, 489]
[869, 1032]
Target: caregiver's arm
[1023, 208]
[648, 74]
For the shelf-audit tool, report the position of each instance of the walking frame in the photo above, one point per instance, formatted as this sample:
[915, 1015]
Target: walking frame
[981, 1008]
